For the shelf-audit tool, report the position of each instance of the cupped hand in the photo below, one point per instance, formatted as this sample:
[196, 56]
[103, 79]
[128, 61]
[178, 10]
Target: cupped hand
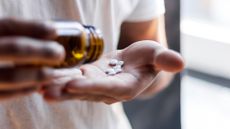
[142, 62]
[26, 42]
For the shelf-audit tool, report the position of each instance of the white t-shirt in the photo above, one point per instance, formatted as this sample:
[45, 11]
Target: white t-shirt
[32, 112]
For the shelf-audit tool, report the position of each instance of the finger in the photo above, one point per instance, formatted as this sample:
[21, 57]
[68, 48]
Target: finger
[54, 90]
[26, 51]
[149, 52]
[66, 72]
[22, 77]
[34, 29]
[169, 61]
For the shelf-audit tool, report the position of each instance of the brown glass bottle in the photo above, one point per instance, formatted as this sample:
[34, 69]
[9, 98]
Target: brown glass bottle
[83, 44]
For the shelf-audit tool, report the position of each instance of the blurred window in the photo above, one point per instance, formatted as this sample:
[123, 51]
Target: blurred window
[205, 30]
[205, 45]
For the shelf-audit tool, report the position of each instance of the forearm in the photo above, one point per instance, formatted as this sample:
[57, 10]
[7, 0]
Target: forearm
[148, 30]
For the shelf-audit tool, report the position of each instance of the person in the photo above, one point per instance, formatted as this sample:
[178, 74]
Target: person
[80, 97]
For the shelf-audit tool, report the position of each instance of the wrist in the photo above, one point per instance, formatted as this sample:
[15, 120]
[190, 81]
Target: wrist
[161, 81]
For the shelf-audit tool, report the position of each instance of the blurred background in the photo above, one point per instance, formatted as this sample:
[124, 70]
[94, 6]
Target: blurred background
[163, 110]
[199, 98]
[205, 44]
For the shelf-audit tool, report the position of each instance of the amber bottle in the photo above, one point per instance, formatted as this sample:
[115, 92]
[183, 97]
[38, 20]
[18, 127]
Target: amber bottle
[82, 43]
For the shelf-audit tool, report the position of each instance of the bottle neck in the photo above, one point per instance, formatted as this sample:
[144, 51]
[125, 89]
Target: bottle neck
[95, 43]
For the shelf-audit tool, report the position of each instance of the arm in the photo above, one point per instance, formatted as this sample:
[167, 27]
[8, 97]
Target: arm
[144, 62]
[25, 42]
[148, 30]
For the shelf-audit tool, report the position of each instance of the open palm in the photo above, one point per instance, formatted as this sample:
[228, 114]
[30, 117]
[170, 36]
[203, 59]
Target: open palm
[143, 61]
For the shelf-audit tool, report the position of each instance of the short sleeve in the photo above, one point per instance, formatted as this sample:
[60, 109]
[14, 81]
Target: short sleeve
[147, 10]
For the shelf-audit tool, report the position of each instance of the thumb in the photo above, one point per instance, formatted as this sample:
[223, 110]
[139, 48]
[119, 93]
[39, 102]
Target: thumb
[150, 52]
[168, 60]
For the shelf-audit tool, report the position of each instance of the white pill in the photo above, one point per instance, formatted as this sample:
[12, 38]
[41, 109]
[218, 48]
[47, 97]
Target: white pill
[111, 74]
[117, 67]
[121, 63]
[119, 70]
[113, 62]
[110, 71]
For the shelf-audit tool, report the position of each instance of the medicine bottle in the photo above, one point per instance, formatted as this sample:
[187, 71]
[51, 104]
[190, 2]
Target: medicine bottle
[82, 43]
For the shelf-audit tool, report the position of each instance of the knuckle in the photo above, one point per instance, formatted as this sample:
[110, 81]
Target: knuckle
[10, 45]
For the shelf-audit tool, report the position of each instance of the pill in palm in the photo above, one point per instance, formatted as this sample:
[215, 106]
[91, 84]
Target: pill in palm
[113, 62]
[118, 70]
[110, 71]
[116, 67]
[121, 63]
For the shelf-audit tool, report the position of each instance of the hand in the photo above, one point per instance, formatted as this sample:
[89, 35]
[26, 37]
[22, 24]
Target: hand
[143, 61]
[25, 42]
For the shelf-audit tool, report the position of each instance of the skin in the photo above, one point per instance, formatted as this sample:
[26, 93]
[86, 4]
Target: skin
[92, 84]
[143, 77]
[26, 42]
[89, 82]
[147, 30]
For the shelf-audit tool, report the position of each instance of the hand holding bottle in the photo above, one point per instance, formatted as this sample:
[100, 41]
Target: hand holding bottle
[22, 43]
